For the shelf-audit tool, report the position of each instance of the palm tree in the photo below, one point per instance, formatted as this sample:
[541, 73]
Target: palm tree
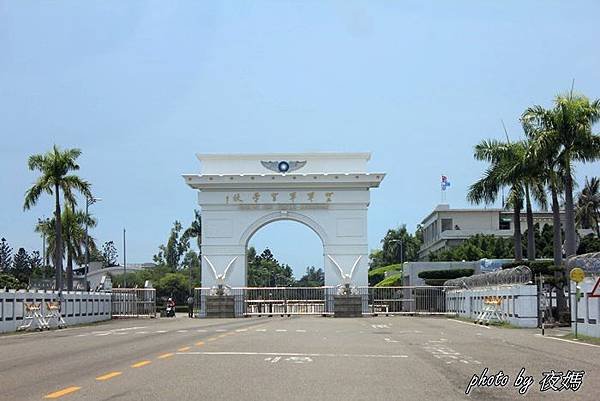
[55, 167]
[568, 127]
[529, 169]
[73, 237]
[546, 154]
[195, 230]
[500, 155]
[588, 205]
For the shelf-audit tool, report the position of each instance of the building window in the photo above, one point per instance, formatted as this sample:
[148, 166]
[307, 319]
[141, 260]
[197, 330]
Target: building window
[505, 223]
[446, 224]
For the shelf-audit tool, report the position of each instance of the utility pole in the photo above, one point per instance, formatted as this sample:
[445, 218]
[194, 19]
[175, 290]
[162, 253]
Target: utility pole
[124, 261]
[41, 223]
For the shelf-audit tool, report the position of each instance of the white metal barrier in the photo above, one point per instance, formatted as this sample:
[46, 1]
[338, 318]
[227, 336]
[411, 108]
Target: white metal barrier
[133, 302]
[519, 304]
[269, 301]
[75, 307]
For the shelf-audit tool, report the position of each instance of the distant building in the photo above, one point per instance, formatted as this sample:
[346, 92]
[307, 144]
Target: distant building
[446, 228]
[97, 271]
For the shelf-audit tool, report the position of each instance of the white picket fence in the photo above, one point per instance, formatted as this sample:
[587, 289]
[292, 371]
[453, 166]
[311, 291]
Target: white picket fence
[588, 309]
[76, 307]
[519, 302]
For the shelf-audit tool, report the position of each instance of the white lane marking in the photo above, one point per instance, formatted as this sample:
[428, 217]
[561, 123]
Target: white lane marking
[129, 328]
[261, 330]
[568, 341]
[201, 331]
[299, 359]
[182, 331]
[380, 326]
[470, 324]
[82, 335]
[141, 332]
[281, 330]
[300, 331]
[220, 330]
[294, 354]
[161, 331]
[440, 350]
[121, 333]
[389, 340]
[241, 330]
[292, 359]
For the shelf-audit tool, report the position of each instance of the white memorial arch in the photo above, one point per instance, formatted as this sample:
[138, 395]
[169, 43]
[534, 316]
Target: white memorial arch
[240, 193]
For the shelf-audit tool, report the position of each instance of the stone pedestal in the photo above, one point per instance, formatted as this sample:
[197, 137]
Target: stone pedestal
[347, 306]
[220, 306]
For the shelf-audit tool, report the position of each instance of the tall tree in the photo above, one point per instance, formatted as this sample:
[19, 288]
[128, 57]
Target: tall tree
[56, 167]
[400, 245]
[313, 278]
[501, 156]
[588, 205]
[5, 255]
[195, 230]
[172, 252]
[21, 268]
[73, 235]
[74, 223]
[568, 127]
[545, 150]
[266, 271]
[109, 254]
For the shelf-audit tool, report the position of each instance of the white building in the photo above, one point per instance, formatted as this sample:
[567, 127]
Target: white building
[445, 228]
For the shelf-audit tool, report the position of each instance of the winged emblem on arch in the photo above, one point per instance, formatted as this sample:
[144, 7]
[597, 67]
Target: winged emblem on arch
[283, 166]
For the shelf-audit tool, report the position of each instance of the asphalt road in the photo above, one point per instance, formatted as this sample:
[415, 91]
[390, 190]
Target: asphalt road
[298, 358]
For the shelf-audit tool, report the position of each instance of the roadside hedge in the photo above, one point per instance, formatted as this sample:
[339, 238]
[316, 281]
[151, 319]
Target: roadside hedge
[391, 281]
[446, 274]
[378, 274]
[543, 267]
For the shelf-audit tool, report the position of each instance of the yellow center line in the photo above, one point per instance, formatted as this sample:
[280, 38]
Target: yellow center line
[140, 364]
[60, 393]
[200, 343]
[183, 349]
[108, 376]
[167, 355]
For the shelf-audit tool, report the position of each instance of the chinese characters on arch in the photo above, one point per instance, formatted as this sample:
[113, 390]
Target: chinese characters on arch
[292, 197]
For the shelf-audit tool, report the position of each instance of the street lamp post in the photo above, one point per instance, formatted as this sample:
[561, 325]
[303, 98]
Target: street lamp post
[124, 261]
[88, 201]
[401, 248]
[42, 224]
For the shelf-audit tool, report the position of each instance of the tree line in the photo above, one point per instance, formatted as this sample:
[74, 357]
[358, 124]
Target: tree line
[541, 164]
[17, 269]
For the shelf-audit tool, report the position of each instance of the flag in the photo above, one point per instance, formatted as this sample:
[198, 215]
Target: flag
[445, 182]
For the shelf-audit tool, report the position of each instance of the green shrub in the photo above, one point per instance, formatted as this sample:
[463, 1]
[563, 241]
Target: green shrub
[378, 274]
[391, 281]
[445, 274]
[10, 282]
[544, 267]
[435, 281]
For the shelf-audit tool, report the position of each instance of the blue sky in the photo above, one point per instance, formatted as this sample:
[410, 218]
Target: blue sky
[141, 87]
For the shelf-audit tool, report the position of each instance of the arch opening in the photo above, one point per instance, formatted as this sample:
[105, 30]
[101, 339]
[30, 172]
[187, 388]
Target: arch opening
[284, 252]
